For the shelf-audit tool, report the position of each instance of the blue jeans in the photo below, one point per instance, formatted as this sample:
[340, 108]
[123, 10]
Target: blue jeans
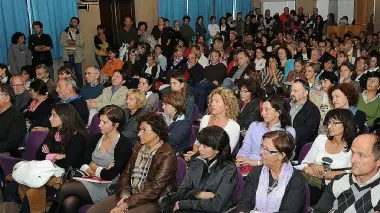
[78, 69]
[229, 84]
[201, 92]
[102, 60]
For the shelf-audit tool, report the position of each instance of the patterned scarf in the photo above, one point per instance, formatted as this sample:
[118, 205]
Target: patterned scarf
[142, 166]
[271, 202]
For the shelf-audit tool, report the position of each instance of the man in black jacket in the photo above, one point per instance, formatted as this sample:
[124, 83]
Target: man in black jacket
[304, 114]
[12, 122]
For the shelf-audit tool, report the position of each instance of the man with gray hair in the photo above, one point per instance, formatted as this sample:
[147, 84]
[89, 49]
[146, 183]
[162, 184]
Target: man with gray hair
[93, 88]
[67, 90]
[22, 96]
[42, 72]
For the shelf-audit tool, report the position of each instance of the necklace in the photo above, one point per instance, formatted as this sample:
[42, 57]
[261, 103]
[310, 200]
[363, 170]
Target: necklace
[273, 186]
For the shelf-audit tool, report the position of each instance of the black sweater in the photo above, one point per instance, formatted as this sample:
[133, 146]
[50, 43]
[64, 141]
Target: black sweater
[215, 72]
[74, 151]
[122, 152]
[195, 73]
[40, 116]
[12, 130]
[292, 201]
[81, 106]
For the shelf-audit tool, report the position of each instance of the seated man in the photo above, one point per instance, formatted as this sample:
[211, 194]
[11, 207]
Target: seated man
[357, 191]
[22, 96]
[67, 90]
[93, 88]
[42, 73]
[12, 122]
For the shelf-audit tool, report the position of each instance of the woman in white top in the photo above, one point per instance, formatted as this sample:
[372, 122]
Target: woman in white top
[336, 146]
[223, 108]
[146, 84]
[213, 29]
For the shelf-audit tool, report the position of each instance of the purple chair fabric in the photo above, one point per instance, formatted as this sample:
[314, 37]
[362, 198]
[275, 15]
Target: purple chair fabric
[34, 142]
[305, 149]
[160, 105]
[307, 201]
[194, 116]
[194, 132]
[7, 163]
[181, 170]
[238, 188]
[83, 209]
[94, 126]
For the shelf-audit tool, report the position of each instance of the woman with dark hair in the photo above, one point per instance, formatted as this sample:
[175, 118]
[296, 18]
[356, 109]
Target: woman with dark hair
[336, 145]
[28, 74]
[18, 53]
[345, 96]
[114, 63]
[66, 72]
[272, 76]
[39, 110]
[275, 113]
[179, 126]
[260, 60]
[105, 159]
[346, 72]
[149, 174]
[178, 84]
[249, 104]
[115, 94]
[101, 46]
[142, 31]
[147, 85]
[133, 68]
[210, 181]
[64, 145]
[274, 186]
[200, 29]
[224, 29]
[318, 26]
[5, 75]
[285, 63]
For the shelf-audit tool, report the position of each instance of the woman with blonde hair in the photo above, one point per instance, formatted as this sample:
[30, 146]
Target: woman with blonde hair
[135, 102]
[224, 109]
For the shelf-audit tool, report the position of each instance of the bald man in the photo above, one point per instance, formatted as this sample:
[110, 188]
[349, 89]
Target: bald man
[22, 95]
[358, 191]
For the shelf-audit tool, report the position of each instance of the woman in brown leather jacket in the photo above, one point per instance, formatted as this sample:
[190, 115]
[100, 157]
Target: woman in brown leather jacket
[149, 174]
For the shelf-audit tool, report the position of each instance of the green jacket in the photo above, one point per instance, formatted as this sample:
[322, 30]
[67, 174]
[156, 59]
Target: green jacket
[371, 109]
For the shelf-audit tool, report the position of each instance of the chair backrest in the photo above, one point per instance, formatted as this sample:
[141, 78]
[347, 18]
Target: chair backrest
[36, 138]
[194, 132]
[94, 126]
[307, 201]
[7, 163]
[181, 170]
[194, 116]
[305, 149]
[238, 188]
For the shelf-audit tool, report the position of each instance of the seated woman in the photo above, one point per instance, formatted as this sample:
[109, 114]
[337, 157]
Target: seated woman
[64, 145]
[146, 85]
[369, 101]
[65, 72]
[276, 117]
[275, 186]
[336, 146]
[223, 108]
[345, 96]
[249, 104]
[311, 71]
[39, 110]
[133, 68]
[115, 94]
[346, 72]
[106, 159]
[151, 67]
[211, 179]
[5, 75]
[179, 127]
[135, 102]
[149, 174]
[178, 84]
[271, 76]
[298, 72]
[114, 63]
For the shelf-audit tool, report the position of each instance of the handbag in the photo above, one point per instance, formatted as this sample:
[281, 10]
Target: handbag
[314, 181]
[167, 202]
[72, 172]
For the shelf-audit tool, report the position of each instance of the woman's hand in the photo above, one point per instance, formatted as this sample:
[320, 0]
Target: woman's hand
[112, 164]
[176, 206]
[188, 155]
[205, 195]
[93, 166]
[45, 149]
[120, 209]
[59, 156]
[90, 172]
[319, 170]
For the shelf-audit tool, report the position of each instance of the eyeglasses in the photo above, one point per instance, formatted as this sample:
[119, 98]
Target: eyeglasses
[17, 85]
[143, 130]
[267, 151]
[334, 123]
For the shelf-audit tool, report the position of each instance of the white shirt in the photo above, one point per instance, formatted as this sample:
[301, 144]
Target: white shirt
[232, 128]
[203, 61]
[213, 29]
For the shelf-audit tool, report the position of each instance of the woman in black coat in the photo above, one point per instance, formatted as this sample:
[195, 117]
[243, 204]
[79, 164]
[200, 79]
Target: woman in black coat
[249, 104]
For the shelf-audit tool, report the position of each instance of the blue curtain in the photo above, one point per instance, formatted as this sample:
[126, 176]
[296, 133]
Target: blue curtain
[172, 10]
[222, 7]
[55, 16]
[13, 18]
[199, 8]
[243, 6]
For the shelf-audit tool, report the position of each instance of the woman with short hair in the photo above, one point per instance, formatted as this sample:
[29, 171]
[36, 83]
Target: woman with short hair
[274, 186]
[18, 53]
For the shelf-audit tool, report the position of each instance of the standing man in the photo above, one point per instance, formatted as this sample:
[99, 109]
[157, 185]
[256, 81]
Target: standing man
[72, 42]
[304, 114]
[40, 44]
[128, 35]
[186, 31]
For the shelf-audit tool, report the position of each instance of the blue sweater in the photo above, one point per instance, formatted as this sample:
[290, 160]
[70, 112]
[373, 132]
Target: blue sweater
[88, 92]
